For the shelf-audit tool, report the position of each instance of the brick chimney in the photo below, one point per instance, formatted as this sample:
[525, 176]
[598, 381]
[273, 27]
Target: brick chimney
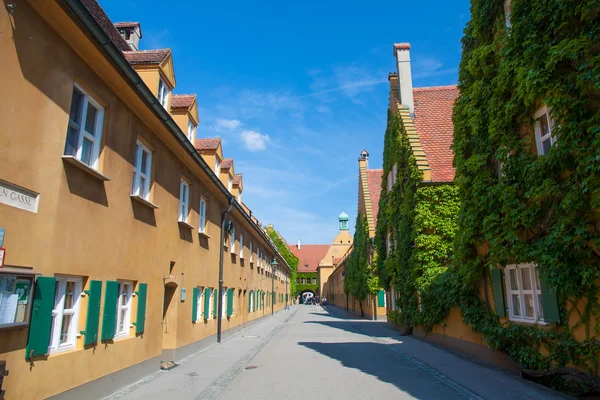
[402, 54]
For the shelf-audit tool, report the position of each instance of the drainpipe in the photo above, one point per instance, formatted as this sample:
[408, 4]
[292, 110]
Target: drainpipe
[220, 304]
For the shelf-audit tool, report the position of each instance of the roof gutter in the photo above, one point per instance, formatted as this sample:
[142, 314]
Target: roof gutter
[115, 55]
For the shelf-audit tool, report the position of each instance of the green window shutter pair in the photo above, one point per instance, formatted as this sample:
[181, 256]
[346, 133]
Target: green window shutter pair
[549, 303]
[41, 317]
[140, 323]
[215, 294]
[93, 313]
[498, 292]
[206, 302]
[110, 309]
[230, 302]
[381, 298]
[195, 294]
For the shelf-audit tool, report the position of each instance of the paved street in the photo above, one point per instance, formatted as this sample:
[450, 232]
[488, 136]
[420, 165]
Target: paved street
[310, 353]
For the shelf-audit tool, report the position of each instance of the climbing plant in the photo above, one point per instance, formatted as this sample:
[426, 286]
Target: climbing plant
[287, 254]
[309, 276]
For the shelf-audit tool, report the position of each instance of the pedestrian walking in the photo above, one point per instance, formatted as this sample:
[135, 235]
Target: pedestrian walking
[324, 303]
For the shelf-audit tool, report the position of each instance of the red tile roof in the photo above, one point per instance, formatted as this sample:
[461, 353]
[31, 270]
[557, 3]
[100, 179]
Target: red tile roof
[207, 144]
[105, 23]
[237, 179]
[433, 121]
[182, 100]
[226, 163]
[146, 56]
[309, 254]
[374, 183]
[401, 46]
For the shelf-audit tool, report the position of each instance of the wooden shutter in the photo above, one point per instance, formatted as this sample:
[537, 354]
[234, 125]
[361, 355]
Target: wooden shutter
[194, 304]
[497, 290]
[381, 298]
[215, 298]
[110, 308]
[549, 303]
[249, 301]
[229, 302]
[140, 322]
[206, 302]
[93, 313]
[41, 317]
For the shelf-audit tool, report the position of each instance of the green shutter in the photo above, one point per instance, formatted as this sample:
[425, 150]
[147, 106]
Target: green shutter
[549, 303]
[41, 317]
[255, 300]
[381, 298]
[93, 313]
[230, 302]
[497, 290]
[110, 309]
[194, 304]
[206, 302]
[215, 294]
[249, 301]
[140, 322]
[274, 298]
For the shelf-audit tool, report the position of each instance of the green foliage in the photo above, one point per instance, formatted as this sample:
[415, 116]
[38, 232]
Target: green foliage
[307, 286]
[540, 209]
[287, 254]
[361, 278]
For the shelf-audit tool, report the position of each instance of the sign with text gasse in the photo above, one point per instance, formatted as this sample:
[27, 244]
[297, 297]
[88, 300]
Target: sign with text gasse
[2, 256]
[18, 197]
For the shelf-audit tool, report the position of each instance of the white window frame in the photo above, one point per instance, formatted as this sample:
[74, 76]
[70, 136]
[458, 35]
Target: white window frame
[142, 190]
[211, 306]
[191, 132]
[389, 181]
[394, 173]
[199, 304]
[258, 256]
[314, 281]
[217, 166]
[252, 301]
[224, 303]
[58, 312]
[184, 201]
[507, 13]
[202, 217]
[535, 292]
[232, 240]
[538, 133]
[127, 307]
[229, 183]
[241, 245]
[250, 251]
[163, 93]
[94, 137]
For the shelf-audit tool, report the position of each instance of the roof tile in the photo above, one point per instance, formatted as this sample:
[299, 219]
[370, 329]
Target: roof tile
[374, 183]
[105, 23]
[237, 179]
[309, 254]
[433, 121]
[226, 163]
[207, 144]
[147, 56]
[182, 100]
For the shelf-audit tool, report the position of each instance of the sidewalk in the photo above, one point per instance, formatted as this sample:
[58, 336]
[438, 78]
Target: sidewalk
[207, 372]
[465, 376]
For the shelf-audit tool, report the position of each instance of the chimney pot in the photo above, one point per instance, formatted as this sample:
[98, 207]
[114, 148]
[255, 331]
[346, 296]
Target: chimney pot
[299, 244]
[402, 54]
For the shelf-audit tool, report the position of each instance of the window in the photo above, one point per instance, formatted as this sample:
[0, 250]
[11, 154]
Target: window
[163, 93]
[389, 181]
[232, 239]
[184, 197]
[202, 223]
[64, 314]
[388, 243]
[142, 169]
[217, 166]
[507, 13]
[258, 256]
[394, 173]
[191, 132]
[524, 293]
[229, 183]
[84, 133]
[543, 131]
[241, 245]
[224, 303]
[123, 316]
[314, 281]
[250, 251]
[199, 303]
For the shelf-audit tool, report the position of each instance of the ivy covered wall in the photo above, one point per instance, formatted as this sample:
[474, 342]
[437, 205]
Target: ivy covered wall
[287, 254]
[309, 276]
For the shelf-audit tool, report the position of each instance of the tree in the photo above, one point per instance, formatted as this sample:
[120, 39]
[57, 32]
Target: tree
[287, 255]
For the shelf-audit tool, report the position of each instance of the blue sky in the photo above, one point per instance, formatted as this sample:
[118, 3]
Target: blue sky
[297, 89]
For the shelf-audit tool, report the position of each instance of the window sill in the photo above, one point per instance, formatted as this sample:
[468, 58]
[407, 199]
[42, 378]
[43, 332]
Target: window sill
[204, 235]
[527, 321]
[185, 224]
[143, 201]
[85, 168]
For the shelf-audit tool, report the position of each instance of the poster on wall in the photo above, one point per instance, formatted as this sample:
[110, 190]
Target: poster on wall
[8, 307]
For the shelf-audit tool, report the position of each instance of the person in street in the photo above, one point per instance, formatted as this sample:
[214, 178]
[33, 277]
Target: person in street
[324, 303]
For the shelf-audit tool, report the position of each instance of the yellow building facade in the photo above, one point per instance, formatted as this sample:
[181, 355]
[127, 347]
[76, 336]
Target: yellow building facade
[111, 216]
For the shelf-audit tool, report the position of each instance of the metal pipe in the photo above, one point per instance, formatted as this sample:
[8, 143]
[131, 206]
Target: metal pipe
[220, 292]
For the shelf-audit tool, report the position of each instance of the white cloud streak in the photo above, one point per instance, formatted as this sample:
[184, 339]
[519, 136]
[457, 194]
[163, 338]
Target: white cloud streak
[255, 141]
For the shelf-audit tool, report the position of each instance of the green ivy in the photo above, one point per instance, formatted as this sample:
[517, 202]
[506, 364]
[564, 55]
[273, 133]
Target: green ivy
[286, 253]
[307, 286]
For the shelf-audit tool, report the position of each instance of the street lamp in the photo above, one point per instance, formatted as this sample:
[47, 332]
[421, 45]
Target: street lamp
[274, 265]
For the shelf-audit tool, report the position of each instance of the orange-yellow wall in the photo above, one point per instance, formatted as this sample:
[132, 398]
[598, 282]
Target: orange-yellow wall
[93, 229]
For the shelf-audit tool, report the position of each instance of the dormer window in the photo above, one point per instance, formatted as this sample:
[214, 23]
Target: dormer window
[217, 166]
[229, 183]
[163, 93]
[191, 132]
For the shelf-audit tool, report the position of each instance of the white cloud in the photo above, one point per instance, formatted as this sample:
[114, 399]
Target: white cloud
[255, 141]
[427, 67]
[228, 123]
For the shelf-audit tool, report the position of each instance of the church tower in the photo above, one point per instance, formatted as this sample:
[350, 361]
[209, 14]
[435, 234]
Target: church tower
[343, 221]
